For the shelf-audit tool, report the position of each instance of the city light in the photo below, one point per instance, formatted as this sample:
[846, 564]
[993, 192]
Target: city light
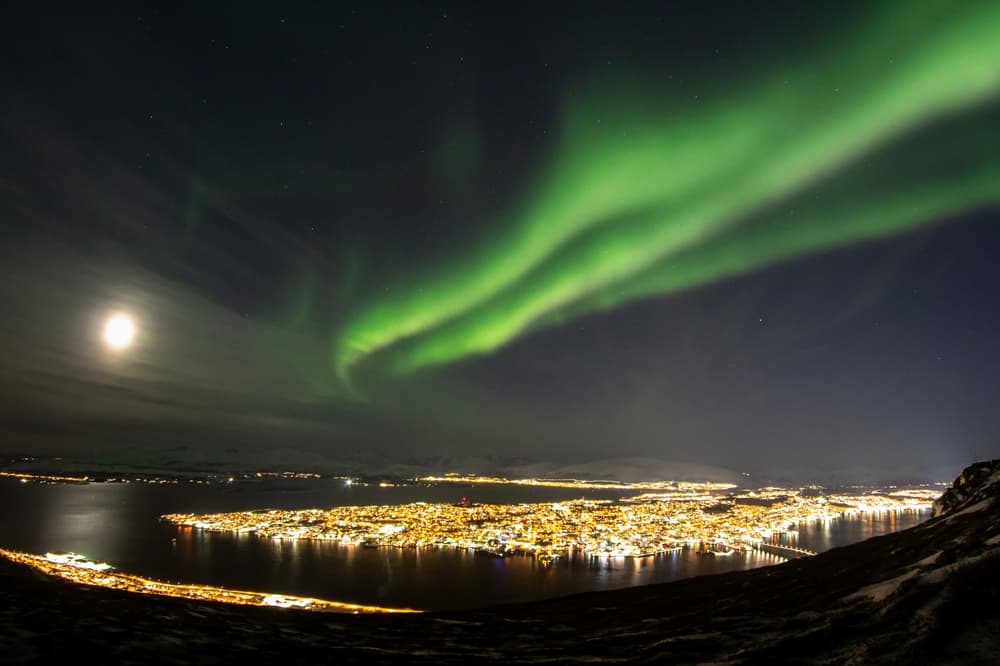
[638, 526]
[78, 569]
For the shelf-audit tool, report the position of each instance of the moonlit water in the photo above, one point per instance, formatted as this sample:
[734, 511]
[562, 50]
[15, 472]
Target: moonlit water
[119, 524]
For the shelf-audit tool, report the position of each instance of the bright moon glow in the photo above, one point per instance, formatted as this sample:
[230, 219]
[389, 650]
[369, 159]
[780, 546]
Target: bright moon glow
[119, 331]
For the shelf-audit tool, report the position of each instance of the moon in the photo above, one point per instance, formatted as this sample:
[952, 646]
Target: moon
[119, 330]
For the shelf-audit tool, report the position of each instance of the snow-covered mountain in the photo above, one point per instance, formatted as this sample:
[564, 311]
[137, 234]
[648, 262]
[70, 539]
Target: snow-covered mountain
[182, 460]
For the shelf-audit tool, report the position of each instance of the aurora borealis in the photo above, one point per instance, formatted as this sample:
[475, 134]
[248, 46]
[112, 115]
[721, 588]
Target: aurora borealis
[739, 235]
[633, 209]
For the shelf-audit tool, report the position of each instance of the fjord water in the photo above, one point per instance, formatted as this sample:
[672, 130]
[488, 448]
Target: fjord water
[119, 523]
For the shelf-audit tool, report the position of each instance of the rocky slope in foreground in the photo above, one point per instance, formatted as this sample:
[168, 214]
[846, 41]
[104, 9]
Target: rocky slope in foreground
[926, 595]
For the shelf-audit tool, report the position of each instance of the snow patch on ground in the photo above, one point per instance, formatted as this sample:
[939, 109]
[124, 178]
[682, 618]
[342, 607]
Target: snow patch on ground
[881, 591]
[978, 506]
[929, 560]
[941, 573]
[465, 622]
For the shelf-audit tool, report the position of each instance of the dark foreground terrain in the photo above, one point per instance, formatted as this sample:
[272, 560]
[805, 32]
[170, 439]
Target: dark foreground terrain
[930, 594]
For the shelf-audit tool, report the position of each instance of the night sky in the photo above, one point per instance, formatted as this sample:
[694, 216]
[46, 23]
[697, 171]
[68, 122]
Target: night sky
[752, 236]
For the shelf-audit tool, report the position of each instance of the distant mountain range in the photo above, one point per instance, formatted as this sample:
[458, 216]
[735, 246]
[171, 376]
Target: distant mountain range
[193, 462]
[185, 461]
[629, 470]
[925, 595]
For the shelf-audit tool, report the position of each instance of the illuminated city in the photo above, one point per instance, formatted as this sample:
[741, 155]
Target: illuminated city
[643, 525]
[582, 484]
[25, 477]
[205, 479]
[78, 569]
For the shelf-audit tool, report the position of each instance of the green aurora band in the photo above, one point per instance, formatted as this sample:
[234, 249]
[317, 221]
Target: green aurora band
[892, 130]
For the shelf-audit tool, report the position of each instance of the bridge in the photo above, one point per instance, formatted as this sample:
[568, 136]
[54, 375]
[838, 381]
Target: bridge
[787, 552]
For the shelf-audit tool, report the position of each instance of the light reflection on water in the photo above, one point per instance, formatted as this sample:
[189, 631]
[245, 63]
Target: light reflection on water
[118, 523]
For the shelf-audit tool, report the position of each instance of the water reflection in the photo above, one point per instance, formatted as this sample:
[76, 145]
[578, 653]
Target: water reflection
[118, 523]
